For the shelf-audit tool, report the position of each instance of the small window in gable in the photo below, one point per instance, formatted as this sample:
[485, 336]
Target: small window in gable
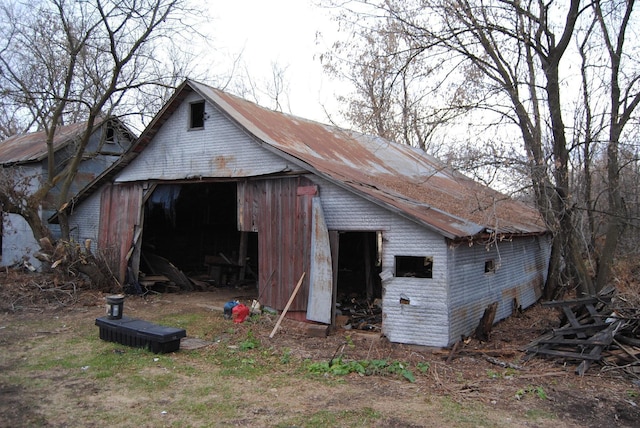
[489, 266]
[197, 115]
[110, 138]
[414, 266]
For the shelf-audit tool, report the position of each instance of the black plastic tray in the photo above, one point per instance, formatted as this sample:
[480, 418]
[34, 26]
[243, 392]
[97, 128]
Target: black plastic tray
[140, 334]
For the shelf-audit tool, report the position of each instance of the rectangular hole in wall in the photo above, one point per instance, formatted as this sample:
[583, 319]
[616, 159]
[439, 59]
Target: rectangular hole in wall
[414, 266]
[489, 266]
[197, 115]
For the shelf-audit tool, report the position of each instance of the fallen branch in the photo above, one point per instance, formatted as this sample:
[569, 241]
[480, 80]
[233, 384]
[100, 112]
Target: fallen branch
[503, 364]
[626, 350]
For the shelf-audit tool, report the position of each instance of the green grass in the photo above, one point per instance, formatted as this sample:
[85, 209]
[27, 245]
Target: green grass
[338, 367]
[538, 414]
[364, 417]
[469, 415]
[81, 358]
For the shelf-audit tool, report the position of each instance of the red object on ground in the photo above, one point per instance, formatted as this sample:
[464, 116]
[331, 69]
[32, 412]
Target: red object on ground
[239, 313]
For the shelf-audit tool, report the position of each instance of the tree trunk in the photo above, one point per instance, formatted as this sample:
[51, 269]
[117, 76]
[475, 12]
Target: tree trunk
[486, 323]
[554, 283]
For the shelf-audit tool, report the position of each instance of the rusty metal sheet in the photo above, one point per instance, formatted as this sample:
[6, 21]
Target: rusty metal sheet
[32, 147]
[396, 176]
[321, 269]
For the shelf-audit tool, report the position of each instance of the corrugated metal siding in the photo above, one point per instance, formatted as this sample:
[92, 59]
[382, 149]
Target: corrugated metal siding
[346, 211]
[421, 322]
[321, 268]
[425, 320]
[221, 149]
[282, 217]
[84, 220]
[88, 170]
[27, 177]
[521, 269]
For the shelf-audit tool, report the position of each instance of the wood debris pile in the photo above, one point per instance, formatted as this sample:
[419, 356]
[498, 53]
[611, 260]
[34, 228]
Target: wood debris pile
[602, 329]
[71, 262]
[22, 290]
[360, 314]
[159, 275]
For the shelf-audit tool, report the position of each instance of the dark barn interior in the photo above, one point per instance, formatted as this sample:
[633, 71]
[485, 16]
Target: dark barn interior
[194, 226]
[359, 287]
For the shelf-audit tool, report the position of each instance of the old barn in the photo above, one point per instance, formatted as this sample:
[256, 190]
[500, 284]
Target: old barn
[24, 159]
[221, 185]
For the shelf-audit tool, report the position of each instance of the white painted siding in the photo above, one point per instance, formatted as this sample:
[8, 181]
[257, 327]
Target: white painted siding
[424, 321]
[221, 149]
[84, 220]
[520, 273]
[18, 243]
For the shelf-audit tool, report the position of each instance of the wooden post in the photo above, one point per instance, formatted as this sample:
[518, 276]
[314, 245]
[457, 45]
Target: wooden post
[286, 308]
[367, 268]
[242, 257]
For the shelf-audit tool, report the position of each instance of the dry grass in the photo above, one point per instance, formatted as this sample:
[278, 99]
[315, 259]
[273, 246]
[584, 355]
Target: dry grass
[54, 371]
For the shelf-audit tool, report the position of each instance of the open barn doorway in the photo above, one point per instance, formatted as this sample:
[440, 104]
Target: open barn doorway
[359, 289]
[193, 227]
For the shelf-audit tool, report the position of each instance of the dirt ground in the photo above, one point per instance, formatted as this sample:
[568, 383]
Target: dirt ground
[602, 397]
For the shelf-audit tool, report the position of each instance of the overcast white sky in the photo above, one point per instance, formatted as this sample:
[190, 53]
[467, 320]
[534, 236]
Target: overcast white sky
[291, 33]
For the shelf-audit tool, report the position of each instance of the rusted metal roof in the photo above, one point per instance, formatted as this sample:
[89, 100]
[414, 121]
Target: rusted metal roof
[399, 177]
[32, 147]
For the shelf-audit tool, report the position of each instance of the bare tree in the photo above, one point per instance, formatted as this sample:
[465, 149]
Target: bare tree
[615, 20]
[64, 61]
[509, 62]
[394, 88]
[272, 92]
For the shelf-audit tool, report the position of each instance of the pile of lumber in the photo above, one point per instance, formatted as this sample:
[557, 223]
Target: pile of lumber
[601, 329]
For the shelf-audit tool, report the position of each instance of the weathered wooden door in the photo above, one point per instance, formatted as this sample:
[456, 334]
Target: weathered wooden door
[120, 208]
[293, 240]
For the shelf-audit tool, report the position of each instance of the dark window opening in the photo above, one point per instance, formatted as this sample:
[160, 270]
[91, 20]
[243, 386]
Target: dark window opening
[110, 137]
[197, 115]
[489, 266]
[194, 227]
[415, 267]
